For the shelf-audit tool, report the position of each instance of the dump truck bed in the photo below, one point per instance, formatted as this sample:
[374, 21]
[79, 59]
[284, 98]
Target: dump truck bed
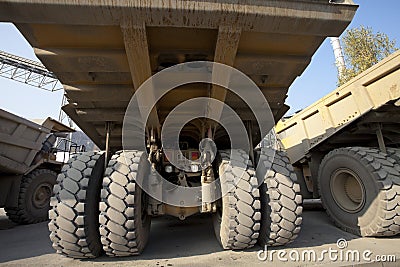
[21, 140]
[351, 115]
[102, 51]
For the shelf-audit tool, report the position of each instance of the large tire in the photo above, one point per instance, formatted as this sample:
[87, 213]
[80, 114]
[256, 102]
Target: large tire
[237, 220]
[74, 224]
[394, 153]
[281, 201]
[360, 190]
[124, 222]
[34, 197]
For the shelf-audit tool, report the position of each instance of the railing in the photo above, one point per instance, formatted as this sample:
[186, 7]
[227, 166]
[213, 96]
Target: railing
[28, 71]
[66, 147]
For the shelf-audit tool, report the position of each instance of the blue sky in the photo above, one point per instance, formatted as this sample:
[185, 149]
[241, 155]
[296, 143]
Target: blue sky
[18, 98]
[317, 80]
[321, 75]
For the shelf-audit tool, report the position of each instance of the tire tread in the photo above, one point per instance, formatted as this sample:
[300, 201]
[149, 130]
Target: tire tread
[240, 223]
[70, 231]
[386, 171]
[20, 214]
[281, 199]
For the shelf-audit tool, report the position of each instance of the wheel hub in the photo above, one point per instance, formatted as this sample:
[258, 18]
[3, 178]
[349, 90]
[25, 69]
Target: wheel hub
[347, 190]
[41, 196]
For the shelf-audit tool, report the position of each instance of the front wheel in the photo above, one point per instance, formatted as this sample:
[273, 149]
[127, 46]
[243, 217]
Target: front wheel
[360, 190]
[34, 197]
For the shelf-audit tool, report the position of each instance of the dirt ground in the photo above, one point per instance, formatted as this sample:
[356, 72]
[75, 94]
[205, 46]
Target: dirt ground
[192, 243]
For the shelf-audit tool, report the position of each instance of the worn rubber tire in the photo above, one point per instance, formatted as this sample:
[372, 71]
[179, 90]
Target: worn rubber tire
[380, 176]
[281, 201]
[27, 212]
[124, 222]
[74, 225]
[394, 153]
[237, 220]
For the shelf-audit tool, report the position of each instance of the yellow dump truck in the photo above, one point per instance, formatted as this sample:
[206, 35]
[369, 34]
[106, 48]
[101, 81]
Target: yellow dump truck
[28, 166]
[130, 68]
[346, 150]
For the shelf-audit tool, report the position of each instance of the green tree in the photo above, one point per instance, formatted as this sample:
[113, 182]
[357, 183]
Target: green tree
[362, 49]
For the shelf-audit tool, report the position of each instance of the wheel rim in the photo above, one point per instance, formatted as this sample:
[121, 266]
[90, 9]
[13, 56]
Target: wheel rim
[41, 196]
[347, 190]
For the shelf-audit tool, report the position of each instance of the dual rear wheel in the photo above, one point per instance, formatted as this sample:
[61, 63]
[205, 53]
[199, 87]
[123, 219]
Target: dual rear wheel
[92, 214]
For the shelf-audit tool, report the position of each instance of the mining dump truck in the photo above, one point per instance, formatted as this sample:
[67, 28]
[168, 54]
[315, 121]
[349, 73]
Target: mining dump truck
[118, 61]
[345, 149]
[28, 166]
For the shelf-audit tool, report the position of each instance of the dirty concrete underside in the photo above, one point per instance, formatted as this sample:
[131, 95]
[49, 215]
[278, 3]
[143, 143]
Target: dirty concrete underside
[102, 51]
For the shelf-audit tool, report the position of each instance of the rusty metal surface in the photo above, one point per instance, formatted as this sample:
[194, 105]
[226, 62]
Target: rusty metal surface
[103, 50]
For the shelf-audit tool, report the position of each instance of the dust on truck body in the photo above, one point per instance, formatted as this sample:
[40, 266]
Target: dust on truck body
[103, 51]
[28, 169]
[346, 150]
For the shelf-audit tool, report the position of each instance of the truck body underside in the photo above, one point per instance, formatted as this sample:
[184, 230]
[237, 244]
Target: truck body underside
[102, 51]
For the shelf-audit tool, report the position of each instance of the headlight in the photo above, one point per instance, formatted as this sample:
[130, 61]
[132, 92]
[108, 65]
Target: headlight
[194, 168]
[168, 169]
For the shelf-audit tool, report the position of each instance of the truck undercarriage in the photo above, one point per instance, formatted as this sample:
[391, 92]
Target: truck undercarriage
[105, 51]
